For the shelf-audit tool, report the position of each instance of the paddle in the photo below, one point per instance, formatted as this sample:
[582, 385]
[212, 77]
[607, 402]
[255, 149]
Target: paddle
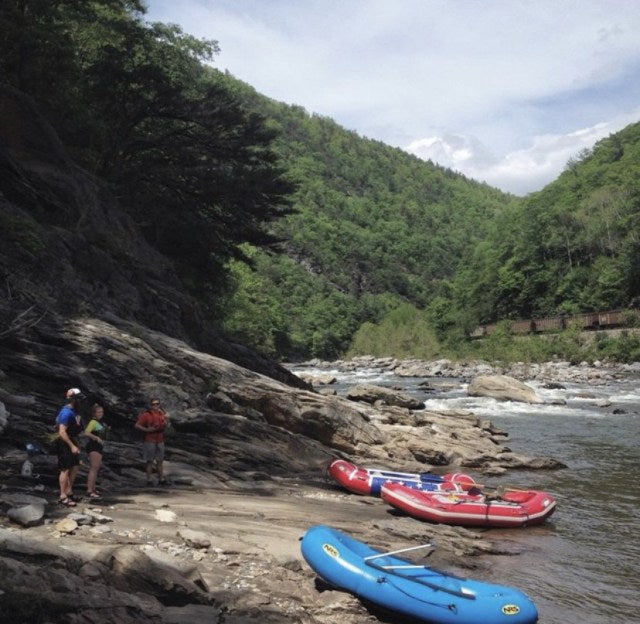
[500, 490]
[395, 570]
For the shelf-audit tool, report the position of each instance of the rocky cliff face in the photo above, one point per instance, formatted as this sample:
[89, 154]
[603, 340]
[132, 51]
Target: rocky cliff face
[68, 249]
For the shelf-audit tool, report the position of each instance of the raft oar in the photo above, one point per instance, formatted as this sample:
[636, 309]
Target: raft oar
[393, 569]
[499, 489]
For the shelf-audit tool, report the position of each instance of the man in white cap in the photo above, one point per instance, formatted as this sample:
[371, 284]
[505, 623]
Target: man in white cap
[69, 427]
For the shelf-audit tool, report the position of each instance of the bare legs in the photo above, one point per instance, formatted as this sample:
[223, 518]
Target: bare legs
[159, 470]
[63, 480]
[66, 479]
[95, 461]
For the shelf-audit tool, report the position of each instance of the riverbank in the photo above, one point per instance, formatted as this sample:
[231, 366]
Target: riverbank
[558, 370]
[246, 460]
[193, 553]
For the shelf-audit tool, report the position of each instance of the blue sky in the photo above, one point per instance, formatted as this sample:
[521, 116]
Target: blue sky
[504, 91]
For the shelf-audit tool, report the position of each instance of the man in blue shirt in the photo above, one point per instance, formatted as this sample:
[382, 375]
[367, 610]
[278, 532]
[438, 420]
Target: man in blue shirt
[69, 427]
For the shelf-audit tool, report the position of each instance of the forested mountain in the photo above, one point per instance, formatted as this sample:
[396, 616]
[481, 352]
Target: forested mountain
[292, 233]
[572, 247]
[376, 229]
[372, 227]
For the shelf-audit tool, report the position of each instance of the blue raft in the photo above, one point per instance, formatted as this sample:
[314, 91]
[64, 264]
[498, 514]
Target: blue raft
[413, 590]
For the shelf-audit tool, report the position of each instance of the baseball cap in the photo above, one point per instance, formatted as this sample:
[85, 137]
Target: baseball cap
[75, 393]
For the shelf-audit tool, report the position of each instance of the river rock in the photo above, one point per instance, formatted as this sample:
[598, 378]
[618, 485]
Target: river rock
[324, 379]
[18, 499]
[502, 387]
[81, 518]
[370, 394]
[66, 525]
[166, 515]
[195, 539]
[27, 515]
[96, 516]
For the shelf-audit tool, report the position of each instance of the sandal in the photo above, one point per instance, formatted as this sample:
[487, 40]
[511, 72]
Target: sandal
[93, 495]
[67, 502]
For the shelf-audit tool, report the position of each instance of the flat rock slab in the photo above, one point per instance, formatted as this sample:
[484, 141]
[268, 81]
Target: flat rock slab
[370, 394]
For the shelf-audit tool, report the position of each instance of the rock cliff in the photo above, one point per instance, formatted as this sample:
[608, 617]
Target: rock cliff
[68, 249]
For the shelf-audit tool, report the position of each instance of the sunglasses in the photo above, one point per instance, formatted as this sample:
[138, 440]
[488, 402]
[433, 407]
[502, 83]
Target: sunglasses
[156, 403]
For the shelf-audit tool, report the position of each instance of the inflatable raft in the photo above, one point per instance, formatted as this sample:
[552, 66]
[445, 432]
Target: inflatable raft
[413, 590]
[513, 508]
[368, 481]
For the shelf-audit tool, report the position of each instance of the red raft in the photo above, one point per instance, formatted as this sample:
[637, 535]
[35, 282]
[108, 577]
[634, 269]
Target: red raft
[368, 481]
[513, 508]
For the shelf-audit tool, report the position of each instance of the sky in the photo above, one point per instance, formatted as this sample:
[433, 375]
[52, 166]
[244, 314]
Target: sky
[503, 91]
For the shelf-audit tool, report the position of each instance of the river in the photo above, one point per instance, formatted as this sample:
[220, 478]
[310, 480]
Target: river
[583, 565]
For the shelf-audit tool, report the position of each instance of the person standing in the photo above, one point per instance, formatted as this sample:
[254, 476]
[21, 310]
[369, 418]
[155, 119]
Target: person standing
[153, 422]
[96, 431]
[69, 426]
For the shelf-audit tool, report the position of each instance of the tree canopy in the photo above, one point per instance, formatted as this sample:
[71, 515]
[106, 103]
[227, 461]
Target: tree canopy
[137, 105]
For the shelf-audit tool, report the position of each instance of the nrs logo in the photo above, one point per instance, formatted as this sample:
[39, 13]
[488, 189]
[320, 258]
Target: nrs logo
[510, 609]
[330, 550]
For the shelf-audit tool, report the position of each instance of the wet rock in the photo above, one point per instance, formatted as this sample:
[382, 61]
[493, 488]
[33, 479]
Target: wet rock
[585, 395]
[557, 402]
[325, 379]
[502, 387]
[370, 394]
[327, 391]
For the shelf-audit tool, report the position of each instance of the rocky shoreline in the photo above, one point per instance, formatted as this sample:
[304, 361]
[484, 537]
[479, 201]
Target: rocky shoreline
[246, 461]
[558, 371]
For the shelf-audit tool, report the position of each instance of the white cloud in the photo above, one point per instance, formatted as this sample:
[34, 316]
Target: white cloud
[520, 171]
[512, 73]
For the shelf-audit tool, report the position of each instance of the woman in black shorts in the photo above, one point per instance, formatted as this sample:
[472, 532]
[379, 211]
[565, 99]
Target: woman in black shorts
[96, 431]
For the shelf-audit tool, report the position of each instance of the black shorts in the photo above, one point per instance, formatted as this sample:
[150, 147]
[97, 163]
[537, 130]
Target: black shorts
[66, 459]
[94, 447]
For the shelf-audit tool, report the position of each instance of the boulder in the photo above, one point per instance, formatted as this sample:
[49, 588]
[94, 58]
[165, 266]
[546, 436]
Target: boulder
[370, 394]
[502, 387]
[195, 539]
[323, 379]
[17, 499]
[26, 515]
